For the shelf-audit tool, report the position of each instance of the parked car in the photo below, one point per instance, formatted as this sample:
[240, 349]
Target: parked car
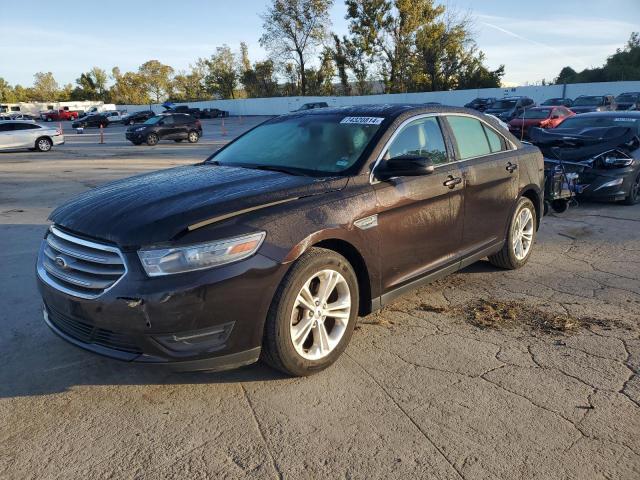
[481, 104]
[20, 134]
[602, 148]
[166, 126]
[552, 102]
[628, 101]
[138, 117]
[114, 116]
[194, 112]
[98, 109]
[593, 103]
[544, 117]
[213, 113]
[276, 243]
[510, 107]
[96, 121]
[311, 106]
[60, 115]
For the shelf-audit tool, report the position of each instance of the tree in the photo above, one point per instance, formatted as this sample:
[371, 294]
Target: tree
[358, 63]
[222, 73]
[340, 59]
[293, 29]
[7, 94]
[189, 86]
[45, 88]
[129, 88]
[157, 79]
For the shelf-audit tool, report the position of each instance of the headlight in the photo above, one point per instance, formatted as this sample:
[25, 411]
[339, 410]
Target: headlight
[139, 129]
[168, 261]
[617, 162]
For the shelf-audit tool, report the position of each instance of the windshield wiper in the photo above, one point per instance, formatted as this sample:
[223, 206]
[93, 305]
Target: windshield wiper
[277, 168]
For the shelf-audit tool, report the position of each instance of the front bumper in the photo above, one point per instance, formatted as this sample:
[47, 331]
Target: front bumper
[135, 136]
[607, 185]
[142, 319]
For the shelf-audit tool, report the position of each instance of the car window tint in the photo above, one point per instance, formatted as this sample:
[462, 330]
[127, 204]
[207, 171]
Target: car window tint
[470, 137]
[169, 120]
[496, 142]
[421, 137]
[6, 127]
[24, 126]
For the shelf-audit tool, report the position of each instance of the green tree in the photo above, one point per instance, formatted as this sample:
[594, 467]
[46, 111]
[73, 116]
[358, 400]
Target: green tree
[340, 59]
[157, 78]
[189, 86]
[222, 74]
[7, 94]
[293, 29]
[45, 88]
[129, 88]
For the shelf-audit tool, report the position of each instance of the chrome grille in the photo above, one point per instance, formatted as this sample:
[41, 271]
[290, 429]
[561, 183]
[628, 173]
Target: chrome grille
[79, 267]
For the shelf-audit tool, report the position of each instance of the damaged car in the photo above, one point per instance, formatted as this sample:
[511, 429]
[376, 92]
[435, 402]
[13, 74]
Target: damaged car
[594, 156]
[273, 246]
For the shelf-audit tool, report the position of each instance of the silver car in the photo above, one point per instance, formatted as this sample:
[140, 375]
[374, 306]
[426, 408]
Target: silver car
[19, 134]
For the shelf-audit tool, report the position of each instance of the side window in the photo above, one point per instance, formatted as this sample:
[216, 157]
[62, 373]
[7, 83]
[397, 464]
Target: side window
[496, 142]
[6, 127]
[421, 137]
[168, 120]
[470, 137]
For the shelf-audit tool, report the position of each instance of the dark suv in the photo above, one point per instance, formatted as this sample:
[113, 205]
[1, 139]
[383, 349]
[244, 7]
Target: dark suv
[138, 117]
[166, 126]
[274, 245]
[594, 103]
[481, 104]
[506, 109]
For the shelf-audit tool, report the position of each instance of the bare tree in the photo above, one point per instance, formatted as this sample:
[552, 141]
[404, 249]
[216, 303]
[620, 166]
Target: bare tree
[293, 29]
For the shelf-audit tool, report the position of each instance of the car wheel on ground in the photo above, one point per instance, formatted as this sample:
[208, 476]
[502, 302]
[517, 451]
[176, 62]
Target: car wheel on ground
[193, 137]
[43, 144]
[522, 234]
[312, 315]
[634, 192]
[152, 139]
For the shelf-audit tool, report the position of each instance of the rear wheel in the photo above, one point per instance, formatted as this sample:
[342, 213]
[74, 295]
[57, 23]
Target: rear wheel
[152, 139]
[634, 192]
[522, 234]
[312, 315]
[44, 144]
[193, 137]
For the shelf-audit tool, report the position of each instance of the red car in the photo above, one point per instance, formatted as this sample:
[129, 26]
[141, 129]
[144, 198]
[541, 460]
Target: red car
[60, 115]
[543, 117]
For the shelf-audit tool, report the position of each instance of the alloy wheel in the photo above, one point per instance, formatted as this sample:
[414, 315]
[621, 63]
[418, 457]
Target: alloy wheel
[320, 314]
[523, 233]
[44, 145]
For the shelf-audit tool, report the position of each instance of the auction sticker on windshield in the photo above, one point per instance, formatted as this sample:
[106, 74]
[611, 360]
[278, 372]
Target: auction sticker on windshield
[363, 120]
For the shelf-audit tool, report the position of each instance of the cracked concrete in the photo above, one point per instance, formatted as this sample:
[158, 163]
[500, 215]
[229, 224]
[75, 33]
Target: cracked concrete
[419, 393]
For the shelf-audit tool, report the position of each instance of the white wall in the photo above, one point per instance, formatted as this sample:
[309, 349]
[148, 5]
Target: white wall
[280, 105]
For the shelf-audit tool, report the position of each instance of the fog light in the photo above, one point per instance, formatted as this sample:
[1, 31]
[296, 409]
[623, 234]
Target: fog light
[197, 340]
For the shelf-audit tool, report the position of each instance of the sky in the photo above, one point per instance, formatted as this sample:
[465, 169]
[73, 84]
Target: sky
[533, 39]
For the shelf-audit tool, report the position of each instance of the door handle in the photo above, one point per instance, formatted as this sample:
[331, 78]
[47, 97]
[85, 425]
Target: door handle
[451, 182]
[511, 167]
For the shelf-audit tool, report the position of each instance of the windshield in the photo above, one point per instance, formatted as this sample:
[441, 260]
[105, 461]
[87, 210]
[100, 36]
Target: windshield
[627, 98]
[153, 120]
[580, 121]
[312, 144]
[504, 104]
[553, 101]
[536, 114]
[582, 101]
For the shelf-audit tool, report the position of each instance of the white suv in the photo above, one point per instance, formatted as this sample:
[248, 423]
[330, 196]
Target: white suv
[18, 134]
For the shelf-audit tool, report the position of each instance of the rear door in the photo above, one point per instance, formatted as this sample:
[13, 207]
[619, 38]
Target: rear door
[490, 172]
[167, 128]
[25, 134]
[419, 218]
[6, 135]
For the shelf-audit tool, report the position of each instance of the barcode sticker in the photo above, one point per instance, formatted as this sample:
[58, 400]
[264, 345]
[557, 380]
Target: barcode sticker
[363, 120]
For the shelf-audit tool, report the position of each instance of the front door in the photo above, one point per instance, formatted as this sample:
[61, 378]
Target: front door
[490, 174]
[420, 218]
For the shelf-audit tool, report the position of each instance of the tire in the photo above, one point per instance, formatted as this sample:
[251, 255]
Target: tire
[43, 144]
[306, 356]
[634, 192]
[508, 257]
[152, 139]
[193, 137]
[178, 140]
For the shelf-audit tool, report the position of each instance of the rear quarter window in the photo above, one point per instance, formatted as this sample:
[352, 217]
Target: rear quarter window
[470, 137]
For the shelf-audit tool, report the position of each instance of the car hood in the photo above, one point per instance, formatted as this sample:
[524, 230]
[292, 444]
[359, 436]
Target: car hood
[155, 207]
[585, 108]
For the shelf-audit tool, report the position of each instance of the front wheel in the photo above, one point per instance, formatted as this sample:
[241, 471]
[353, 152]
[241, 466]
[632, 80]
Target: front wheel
[522, 234]
[152, 139]
[312, 315]
[43, 144]
[634, 192]
[193, 137]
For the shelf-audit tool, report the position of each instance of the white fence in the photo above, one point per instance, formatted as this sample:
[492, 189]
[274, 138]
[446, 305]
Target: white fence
[280, 105]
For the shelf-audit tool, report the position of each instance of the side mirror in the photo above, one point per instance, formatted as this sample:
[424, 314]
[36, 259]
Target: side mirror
[405, 166]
